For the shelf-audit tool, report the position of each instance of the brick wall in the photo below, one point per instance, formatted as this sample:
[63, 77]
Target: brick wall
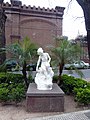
[39, 24]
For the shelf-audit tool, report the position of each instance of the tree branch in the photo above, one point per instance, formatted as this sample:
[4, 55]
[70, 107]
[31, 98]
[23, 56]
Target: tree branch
[68, 5]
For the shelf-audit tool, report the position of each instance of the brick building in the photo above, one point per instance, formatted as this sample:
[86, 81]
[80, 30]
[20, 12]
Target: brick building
[39, 24]
[82, 41]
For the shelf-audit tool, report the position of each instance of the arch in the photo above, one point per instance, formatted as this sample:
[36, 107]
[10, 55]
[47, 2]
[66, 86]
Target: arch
[37, 20]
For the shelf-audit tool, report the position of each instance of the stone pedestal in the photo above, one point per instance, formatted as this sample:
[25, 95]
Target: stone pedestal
[44, 100]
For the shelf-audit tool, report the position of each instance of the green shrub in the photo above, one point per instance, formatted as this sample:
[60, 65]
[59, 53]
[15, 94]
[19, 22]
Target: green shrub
[55, 78]
[80, 88]
[12, 92]
[3, 68]
[17, 93]
[15, 78]
[30, 79]
[70, 82]
[12, 87]
[10, 77]
[2, 77]
[4, 92]
[82, 95]
[79, 83]
[88, 85]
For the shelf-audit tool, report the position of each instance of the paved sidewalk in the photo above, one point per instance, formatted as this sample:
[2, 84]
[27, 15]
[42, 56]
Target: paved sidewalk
[80, 115]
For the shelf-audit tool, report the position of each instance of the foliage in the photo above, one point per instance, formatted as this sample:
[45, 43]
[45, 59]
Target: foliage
[78, 87]
[65, 53]
[82, 95]
[12, 87]
[2, 68]
[70, 82]
[30, 78]
[23, 51]
[4, 92]
[55, 78]
[11, 78]
[17, 93]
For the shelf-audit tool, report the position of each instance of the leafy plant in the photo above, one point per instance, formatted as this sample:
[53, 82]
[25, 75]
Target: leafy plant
[30, 78]
[2, 68]
[23, 51]
[17, 93]
[10, 77]
[55, 78]
[64, 53]
[12, 87]
[82, 95]
[68, 83]
[4, 92]
[78, 87]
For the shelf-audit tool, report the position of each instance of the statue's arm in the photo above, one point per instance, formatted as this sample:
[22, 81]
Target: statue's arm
[38, 62]
[49, 58]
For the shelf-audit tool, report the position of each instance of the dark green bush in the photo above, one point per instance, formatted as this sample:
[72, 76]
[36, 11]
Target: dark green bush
[12, 87]
[4, 92]
[17, 93]
[80, 88]
[79, 83]
[2, 77]
[55, 78]
[30, 79]
[3, 68]
[70, 82]
[82, 95]
[10, 77]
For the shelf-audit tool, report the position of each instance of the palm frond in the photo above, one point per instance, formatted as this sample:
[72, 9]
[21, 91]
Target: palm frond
[65, 53]
[23, 51]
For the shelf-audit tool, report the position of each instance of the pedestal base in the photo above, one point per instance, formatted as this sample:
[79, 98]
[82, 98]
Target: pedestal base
[44, 100]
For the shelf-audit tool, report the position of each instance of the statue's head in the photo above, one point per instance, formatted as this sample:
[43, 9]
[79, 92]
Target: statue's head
[40, 51]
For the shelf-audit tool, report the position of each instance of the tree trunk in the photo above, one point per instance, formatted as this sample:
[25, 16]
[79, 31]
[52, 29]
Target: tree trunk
[2, 33]
[87, 23]
[59, 82]
[85, 4]
[25, 74]
[88, 43]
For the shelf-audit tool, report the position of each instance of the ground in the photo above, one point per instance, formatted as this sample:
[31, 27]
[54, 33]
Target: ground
[12, 112]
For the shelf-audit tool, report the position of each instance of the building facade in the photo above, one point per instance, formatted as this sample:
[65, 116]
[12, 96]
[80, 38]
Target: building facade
[82, 40]
[39, 24]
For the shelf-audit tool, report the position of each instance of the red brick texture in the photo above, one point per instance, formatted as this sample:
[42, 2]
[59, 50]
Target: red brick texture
[39, 24]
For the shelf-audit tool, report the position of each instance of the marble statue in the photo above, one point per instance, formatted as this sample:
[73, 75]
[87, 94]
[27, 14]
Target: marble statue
[44, 75]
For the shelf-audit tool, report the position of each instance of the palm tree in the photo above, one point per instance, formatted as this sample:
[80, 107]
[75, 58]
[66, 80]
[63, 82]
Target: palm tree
[64, 53]
[23, 51]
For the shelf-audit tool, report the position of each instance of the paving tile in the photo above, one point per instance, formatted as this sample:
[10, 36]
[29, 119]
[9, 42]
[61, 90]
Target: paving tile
[81, 115]
[87, 114]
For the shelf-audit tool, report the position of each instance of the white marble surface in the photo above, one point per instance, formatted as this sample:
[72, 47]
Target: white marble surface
[44, 74]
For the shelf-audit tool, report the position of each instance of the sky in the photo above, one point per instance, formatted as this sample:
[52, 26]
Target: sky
[73, 20]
